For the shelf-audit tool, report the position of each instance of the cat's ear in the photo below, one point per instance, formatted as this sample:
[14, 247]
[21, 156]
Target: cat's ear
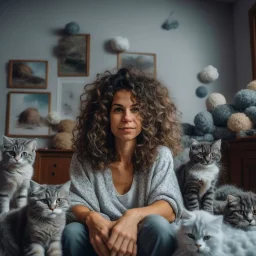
[186, 215]
[194, 142]
[217, 221]
[217, 144]
[65, 187]
[7, 141]
[35, 187]
[231, 198]
[32, 144]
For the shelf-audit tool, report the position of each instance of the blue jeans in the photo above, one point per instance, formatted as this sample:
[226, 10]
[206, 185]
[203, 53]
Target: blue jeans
[156, 236]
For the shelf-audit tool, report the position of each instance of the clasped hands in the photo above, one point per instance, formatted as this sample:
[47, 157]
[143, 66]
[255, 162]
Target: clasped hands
[113, 238]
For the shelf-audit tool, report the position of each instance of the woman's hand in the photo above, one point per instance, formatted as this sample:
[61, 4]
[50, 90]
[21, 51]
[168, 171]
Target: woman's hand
[123, 239]
[99, 232]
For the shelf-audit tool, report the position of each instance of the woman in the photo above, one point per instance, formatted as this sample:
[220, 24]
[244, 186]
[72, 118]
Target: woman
[124, 191]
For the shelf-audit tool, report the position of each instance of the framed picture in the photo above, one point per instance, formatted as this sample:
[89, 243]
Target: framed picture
[31, 74]
[143, 61]
[69, 92]
[26, 114]
[74, 55]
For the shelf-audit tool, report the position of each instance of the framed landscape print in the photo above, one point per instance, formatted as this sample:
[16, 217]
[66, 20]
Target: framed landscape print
[69, 92]
[143, 61]
[26, 114]
[31, 74]
[74, 55]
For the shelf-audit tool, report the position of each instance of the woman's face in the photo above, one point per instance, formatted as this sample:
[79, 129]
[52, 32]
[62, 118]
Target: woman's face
[125, 120]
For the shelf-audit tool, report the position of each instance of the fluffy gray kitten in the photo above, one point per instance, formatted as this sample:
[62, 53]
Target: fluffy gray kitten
[197, 178]
[36, 228]
[237, 206]
[204, 234]
[16, 170]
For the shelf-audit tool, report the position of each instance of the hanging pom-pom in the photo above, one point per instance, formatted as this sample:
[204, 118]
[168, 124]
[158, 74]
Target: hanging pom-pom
[209, 74]
[120, 44]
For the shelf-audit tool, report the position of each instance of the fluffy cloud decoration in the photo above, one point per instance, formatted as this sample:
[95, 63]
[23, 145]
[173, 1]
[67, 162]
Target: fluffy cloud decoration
[120, 44]
[209, 74]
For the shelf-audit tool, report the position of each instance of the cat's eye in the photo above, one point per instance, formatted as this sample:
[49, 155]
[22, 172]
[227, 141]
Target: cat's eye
[206, 238]
[58, 200]
[12, 153]
[191, 236]
[24, 154]
[240, 212]
[254, 212]
[45, 201]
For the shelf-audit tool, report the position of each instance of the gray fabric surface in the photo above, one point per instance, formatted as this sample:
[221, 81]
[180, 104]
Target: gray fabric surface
[95, 189]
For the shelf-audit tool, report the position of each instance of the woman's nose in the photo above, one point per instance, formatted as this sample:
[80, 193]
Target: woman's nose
[127, 115]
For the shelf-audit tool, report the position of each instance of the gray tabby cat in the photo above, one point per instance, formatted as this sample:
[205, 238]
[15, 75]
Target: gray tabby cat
[16, 169]
[204, 234]
[197, 178]
[237, 206]
[36, 228]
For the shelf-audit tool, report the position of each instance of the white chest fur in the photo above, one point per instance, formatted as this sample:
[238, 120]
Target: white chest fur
[204, 175]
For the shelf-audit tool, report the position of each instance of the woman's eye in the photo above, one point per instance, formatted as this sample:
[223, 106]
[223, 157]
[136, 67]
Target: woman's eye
[206, 238]
[191, 236]
[24, 154]
[117, 109]
[135, 110]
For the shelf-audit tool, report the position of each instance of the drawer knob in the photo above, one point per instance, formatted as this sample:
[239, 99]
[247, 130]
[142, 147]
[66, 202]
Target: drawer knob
[55, 165]
[53, 173]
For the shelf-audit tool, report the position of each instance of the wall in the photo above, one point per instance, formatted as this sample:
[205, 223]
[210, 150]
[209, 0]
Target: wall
[205, 36]
[242, 43]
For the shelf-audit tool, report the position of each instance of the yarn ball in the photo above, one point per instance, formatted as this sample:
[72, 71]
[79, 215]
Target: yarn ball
[186, 140]
[201, 91]
[188, 129]
[238, 122]
[223, 133]
[203, 122]
[63, 140]
[245, 98]
[209, 74]
[247, 133]
[222, 113]
[251, 85]
[72, 28]
[197, 132]
[251, 113]
[215, 99]
[120, 44]
[67, 125]
[53, 118]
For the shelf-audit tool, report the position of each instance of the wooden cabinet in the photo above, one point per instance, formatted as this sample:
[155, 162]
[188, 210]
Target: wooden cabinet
[240, 158]
[52, 166]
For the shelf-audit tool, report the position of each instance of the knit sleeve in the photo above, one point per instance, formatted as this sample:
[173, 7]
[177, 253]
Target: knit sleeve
[164, 184]
[81, 189]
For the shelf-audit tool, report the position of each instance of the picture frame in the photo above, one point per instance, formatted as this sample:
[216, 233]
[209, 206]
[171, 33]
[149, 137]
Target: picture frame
[143, 61]
[28, 74]
[26, 114]
[68, 99]
[74, 55]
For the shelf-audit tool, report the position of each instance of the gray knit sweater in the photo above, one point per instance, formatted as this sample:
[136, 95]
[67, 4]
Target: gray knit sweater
[95, 189]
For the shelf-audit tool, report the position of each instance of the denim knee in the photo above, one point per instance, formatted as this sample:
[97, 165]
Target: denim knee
[76, 241]
[156, 236]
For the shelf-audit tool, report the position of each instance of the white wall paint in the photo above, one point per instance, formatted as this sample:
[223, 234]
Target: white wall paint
[242, 43]
[205, 36]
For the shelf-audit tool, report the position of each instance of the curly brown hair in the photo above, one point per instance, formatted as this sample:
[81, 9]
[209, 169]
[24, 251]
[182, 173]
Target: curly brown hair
[93, 140]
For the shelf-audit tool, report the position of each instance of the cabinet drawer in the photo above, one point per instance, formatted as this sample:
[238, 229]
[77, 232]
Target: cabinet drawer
[54, 170]
[52, 166]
